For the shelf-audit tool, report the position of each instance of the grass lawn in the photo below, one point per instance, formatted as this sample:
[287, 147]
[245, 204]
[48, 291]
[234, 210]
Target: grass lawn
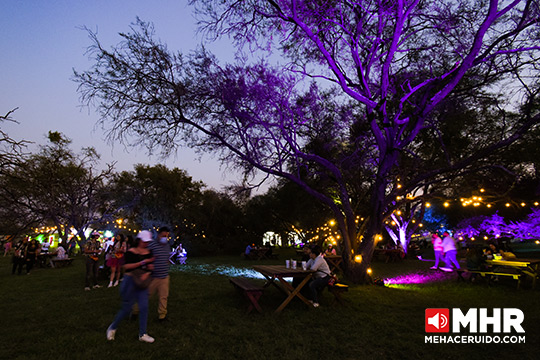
[48, 315]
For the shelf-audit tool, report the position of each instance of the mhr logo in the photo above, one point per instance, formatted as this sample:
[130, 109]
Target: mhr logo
[476, 320]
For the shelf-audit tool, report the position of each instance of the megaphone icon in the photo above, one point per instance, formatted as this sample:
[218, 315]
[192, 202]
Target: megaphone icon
[438, 320]
[434, 320]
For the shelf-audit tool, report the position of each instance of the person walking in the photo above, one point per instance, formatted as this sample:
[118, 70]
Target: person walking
[138, 264]
[160, 274]
[116, 258]
[450, 251]
[32, 251]
[7, 247]
[92, 250]
[19, 256]
[437, 249]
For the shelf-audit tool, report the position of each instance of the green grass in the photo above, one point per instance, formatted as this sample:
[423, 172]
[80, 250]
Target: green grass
[47, 315]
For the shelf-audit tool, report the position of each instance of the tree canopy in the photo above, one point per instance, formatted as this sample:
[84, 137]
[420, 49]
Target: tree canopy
[361, 86]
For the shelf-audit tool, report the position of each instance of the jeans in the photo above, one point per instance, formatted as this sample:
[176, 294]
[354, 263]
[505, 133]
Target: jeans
[92, 268]
[18, 264]
[438, 258]
[317, 284]
[131, 294]
[450, 259]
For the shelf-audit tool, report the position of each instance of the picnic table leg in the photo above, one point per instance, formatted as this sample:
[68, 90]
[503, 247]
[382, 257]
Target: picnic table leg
[253, 297]
[271, 281]
[535, 273]
[293, 293]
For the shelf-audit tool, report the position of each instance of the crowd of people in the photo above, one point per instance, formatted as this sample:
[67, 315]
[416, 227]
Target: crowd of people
[139, 266]
[25, 254]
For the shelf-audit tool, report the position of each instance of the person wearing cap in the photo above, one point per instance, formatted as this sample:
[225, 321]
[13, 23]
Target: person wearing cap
[138, 258]
[161, 250]
[92, 250]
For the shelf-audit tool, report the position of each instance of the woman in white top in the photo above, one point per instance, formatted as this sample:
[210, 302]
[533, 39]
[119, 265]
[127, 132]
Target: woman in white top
[321, 275]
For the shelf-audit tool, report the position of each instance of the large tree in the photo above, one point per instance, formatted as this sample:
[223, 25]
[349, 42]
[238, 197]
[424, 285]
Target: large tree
[12, 151]
[368, 79]
[58, 187]
[13, 220]
[155, 196]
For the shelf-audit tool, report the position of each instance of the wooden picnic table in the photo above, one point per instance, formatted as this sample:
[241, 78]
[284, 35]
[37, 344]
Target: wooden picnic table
[334, 261]
[280, 272]
[258, 253]
[529, 267]
[45, 259]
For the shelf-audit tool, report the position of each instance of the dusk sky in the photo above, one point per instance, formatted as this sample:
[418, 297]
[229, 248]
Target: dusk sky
[42, 42]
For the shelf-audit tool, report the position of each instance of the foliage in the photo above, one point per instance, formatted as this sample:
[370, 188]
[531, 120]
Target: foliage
[155, 196]
[285, 208]
[364, 96]
[223, 226]
[11, 150]
[57, 187]
[496, 226]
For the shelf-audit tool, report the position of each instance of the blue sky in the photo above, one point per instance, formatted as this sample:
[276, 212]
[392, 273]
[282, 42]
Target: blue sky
[42, 42]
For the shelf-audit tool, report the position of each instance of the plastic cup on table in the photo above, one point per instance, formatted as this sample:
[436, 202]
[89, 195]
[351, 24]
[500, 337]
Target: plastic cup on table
[287, 264]
[304, 265]
[294, 264]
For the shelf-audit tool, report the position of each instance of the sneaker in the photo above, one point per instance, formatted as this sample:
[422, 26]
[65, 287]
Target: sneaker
[146, 338]
[315, 305]
[87, 288]
[110, 285]
[116, 283]
[96, 286]
[110, 334]
[433, 267]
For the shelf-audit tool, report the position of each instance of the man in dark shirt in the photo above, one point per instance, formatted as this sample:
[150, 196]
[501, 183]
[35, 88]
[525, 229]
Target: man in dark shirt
[19, 256]
[32, 251]
[92, 250]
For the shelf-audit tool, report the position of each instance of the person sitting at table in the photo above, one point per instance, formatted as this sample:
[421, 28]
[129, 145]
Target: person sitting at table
[491, 251]
[45, 247]
[306, 250]
[474, 260]
[330, 250]
[60, 252]
[247, 252]
[268, 252]
[320, 277]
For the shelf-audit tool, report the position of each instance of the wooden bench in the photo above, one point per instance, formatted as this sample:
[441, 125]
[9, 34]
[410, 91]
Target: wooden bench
[490, 274]
[57, 263]
[337, 289]
[251, 291]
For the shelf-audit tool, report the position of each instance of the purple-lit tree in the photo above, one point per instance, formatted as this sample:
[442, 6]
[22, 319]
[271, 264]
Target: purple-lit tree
[528, 228]
[368, 79]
